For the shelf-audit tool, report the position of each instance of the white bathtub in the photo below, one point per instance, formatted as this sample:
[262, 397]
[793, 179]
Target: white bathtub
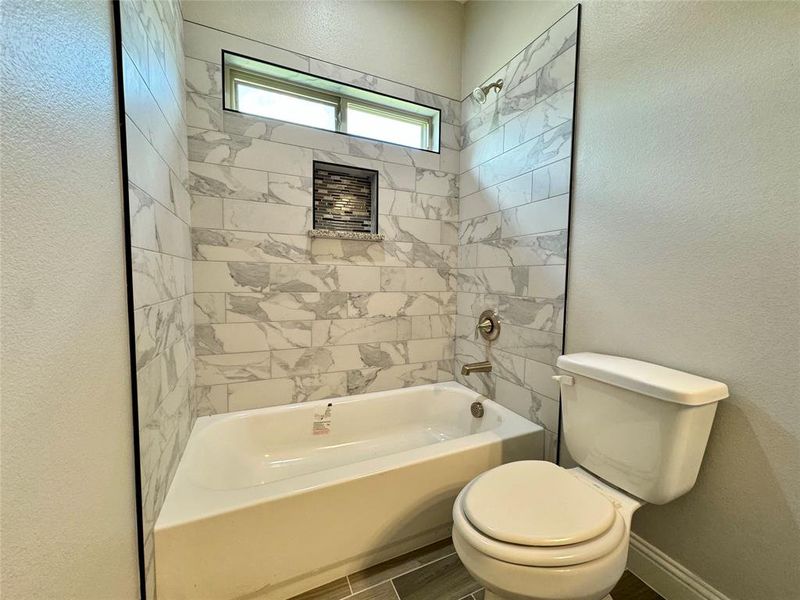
[262, 507]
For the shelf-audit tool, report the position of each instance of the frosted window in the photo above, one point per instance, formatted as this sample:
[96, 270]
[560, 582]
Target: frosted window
[286, 107]
[371, 124]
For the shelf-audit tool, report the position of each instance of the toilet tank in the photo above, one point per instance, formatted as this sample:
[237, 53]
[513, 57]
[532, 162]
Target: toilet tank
[639, 426]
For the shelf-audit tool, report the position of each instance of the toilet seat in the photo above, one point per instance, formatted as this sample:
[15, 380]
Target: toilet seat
[535, 513]
[536, 503]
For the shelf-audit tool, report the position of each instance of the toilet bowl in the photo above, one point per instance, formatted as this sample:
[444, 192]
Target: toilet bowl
[532, 530]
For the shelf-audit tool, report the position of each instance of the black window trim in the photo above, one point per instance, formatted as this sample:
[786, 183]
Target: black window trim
[225, 84]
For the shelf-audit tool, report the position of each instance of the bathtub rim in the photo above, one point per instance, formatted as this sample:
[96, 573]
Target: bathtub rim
[187, 502]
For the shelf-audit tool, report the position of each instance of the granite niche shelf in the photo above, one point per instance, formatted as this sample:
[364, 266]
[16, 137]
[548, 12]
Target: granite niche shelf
[362, 236]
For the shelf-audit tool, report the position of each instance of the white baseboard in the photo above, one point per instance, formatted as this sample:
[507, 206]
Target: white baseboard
[666, 576]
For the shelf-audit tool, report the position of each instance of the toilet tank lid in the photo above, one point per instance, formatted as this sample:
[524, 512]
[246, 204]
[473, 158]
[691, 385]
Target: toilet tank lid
[645, 378]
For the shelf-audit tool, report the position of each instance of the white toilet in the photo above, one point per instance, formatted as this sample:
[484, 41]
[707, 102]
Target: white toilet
[532, 530]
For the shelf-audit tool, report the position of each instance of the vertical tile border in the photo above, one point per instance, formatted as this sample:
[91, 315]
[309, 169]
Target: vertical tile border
[572, 166]
[123, 149]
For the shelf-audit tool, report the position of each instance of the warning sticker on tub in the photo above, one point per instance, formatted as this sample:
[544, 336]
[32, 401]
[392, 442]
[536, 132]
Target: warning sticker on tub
[321, 428]
[322, 422]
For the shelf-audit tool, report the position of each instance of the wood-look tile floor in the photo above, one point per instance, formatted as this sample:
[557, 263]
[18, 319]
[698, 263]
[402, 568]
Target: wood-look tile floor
[434, 573]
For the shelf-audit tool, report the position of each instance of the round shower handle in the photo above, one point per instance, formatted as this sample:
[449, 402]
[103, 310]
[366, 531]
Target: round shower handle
[488, 325]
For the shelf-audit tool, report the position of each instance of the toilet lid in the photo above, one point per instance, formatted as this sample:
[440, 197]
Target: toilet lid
[536, 503]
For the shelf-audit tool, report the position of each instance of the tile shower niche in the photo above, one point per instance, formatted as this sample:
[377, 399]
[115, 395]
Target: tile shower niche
[345, 202]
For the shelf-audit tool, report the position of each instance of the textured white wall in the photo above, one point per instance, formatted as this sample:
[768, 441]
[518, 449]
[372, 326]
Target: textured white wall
[415, 43]
[68, 520]
[496, 30]
[685, 251]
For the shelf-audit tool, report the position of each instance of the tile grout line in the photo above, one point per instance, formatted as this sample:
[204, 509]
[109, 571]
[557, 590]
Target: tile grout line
[160, 302]
[200, 131]
[171, 211]
[391, 579]
[536, 168]
[190, 259]
[163, 252]
[351, 137]
[349, 585]
[309, 206]
[505, 150]
[305, 234]
[322, 265]
[419, 567]
[354, 593]
[160, 157]
[390, 341]
[148, 87]
[315, 151]
[566, 158]
[502, 210]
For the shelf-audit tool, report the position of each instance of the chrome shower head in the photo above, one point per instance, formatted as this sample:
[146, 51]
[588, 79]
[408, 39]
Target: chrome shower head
[479, 93]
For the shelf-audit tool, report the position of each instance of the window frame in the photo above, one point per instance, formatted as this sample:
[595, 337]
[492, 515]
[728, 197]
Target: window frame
[340, 101]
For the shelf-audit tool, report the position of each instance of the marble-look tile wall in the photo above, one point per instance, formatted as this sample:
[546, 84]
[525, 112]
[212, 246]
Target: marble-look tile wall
[513, 219]
[160, 208]
[283, 318]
